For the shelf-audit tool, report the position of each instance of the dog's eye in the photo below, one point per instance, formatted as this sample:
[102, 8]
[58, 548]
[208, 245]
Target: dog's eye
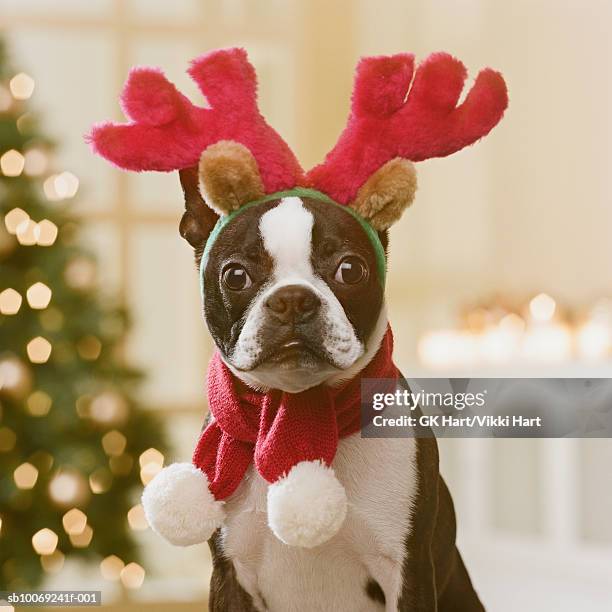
[351, 271]
[236, 278]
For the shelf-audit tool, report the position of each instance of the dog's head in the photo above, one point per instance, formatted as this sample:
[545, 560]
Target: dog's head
[292, 284]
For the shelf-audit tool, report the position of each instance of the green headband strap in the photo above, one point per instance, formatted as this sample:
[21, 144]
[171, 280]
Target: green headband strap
[300, 192]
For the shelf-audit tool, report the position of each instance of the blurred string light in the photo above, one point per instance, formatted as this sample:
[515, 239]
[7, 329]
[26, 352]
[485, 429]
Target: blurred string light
[151, 462]
[10, 301]
[8, 438]
[74, 521]
[100, 481]
[52, 563]
[114, 443]
[121, 465]
[25, 233]
[39, 350]
[45, 541]
[12, 163]
[45, 232]
[68, 487]
[14, 218]
[39, 403]
[38, 295]
[6, 100]
[80, 273]
[18, 223]
[89, 348]
[132, 576]
[137, 519]
[110, 567]
[36, 162]
[25, 476]
[109, 408]
[22, 86]
[61, 186]
[15, 376]
[82, 539]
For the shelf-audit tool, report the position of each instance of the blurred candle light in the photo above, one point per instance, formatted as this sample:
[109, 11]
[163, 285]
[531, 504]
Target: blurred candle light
[10, 302]
[447, 348]
[39, 296]
[45, 541]
[542, 307]
[512, 323]
[14, 218]
[25, 476]
[547, 343]
[132, 576]
[74, 521]
[110, 567]
[45, 232]
[22, 86]
[12, 163]
[594, 340]
[39, 350]
[496, 345]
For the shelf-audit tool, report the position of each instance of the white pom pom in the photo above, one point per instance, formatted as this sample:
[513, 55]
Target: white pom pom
[179, 506]
[308, 506]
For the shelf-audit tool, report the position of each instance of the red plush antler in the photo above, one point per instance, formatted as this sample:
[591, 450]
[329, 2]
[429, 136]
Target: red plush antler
[388, 121]
[167, 132]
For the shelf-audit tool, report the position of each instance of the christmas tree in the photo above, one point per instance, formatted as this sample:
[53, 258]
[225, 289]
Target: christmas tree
[75, 449]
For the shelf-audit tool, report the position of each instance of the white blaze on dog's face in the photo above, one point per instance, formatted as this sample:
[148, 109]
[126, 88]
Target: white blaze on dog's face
[292, 294]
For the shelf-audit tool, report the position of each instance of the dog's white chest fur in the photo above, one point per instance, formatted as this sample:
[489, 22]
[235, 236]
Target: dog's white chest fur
[380, 479]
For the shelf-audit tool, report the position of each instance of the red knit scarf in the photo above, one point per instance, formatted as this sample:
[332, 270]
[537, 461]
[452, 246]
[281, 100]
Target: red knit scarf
[276, 429]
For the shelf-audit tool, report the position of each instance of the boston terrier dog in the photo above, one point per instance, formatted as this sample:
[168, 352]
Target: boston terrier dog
[293, 298]
[301, 513]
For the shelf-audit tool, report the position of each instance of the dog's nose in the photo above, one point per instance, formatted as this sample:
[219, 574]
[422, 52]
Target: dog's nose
[293, 303]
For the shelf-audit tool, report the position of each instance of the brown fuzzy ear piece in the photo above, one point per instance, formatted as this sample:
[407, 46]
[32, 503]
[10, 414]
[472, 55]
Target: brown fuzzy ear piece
[387, 193]
[229, 176]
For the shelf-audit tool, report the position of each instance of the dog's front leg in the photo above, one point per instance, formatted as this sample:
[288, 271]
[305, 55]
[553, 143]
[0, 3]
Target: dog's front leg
[419, 591]
[226, 593]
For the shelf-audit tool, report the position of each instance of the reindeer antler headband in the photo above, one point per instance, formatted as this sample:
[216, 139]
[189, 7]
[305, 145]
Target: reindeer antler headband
[397, 114]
